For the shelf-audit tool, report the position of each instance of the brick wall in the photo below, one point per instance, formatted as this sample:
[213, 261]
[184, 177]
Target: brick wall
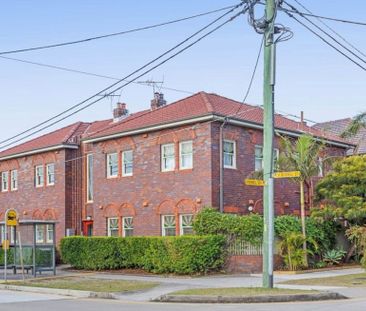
[150, 193]
[41, 203]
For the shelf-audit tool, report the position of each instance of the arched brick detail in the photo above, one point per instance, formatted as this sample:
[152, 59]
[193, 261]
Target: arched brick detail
[166, 207]
[37, 214]
[111, 210]
[166, 138]
[49, 214]
[186, 134]
[186, 206]
[127, 209]
[49, 157]
[37, 159]
[9, 165]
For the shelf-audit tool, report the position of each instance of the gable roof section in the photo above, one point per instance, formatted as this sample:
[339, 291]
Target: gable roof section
[339, 126]
[66, 137]
[205, 104]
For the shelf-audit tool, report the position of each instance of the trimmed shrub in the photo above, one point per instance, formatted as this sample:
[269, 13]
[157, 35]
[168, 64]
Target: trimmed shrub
[250, 227]
[181, 255]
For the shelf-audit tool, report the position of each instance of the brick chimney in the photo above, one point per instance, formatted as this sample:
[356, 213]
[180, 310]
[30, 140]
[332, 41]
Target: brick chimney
[120, 112]
[158, 101]
[302, 120]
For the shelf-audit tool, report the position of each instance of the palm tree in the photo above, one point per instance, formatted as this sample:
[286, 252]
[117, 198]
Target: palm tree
[301, 155]
[358, 122]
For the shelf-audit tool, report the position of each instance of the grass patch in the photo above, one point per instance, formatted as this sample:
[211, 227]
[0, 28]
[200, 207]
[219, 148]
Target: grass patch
[350, 280]
[89, 284]
[241, 291]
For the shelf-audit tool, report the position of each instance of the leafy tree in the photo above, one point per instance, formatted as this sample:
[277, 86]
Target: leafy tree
[301, 155]
[343, 196]
[344, 191]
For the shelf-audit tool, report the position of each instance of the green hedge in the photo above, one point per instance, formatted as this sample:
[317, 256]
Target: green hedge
[250, 227]
[181, 255]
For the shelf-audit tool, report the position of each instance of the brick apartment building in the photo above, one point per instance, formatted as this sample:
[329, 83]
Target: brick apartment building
[149, 172]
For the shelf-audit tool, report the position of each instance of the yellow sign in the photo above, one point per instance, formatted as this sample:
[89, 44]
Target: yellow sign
[286, 174]
[5, 244]
[254, 182]
[11, 218]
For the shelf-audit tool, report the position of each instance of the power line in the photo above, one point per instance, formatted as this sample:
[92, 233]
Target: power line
[325, 17]
[127, 83]
[327, 34]
[253, 74]
[325, 41]
[331, 29]
[87, 73]
[49, 46]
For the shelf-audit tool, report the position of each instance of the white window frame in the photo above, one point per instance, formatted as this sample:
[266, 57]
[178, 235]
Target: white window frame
[52, 182]
[123, 163]
[89, 178]
[163, 157]
[163, 233]
[39, 182]
[276, 154]
[233, 166]
[14, 180]
[109, 231]
[40, 238]
[124, 227]
[181, 155]
[181, 228]
[49, 229]
[109, 155]
[5, 181]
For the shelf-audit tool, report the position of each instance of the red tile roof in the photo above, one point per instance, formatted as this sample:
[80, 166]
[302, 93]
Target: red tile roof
[197, 105]
[64, 136]
[339, 126]
[202, 104]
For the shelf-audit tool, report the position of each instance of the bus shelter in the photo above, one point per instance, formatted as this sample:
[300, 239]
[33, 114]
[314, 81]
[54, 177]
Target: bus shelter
[31, 247]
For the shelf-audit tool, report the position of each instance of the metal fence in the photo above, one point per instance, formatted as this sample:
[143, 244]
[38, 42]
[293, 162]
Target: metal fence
[238, 247]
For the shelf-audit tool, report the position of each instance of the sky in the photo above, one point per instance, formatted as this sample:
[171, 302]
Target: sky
[311, 76]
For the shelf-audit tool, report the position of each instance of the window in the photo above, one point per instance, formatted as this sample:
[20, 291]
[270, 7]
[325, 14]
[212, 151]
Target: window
[112, 165]
[113, 226]
[89, 178]
[4, 181]
[2, 233]
[14, 180]
[127, 163]
[39, 180]
[50, 168]
[258, 166]
[229, 154]
[40, 233]
[185, 155]
[11, 232]
[167, 157]
[127, 226]
[168, 225]
[186, 224]
[49, 233]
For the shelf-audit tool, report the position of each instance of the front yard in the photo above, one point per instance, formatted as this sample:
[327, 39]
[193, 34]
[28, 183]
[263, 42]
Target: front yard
[89, 284]
[350, 280]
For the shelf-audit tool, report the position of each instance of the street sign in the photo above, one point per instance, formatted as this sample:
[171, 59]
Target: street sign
[254, 182]
[292, 174]
[11, 218]
[5, 244]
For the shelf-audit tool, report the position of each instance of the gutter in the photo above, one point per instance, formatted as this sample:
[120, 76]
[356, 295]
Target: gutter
[210, 117]
[41, 150]
[150, 129]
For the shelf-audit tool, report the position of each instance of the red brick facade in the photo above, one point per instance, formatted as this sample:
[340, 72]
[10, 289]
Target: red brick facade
[149, 193]
[50, 202]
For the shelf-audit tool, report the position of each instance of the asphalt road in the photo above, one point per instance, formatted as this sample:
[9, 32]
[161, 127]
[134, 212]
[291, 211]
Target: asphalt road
[61, 304]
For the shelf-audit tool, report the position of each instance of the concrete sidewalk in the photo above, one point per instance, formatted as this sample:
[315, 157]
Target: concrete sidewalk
[170, 284]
